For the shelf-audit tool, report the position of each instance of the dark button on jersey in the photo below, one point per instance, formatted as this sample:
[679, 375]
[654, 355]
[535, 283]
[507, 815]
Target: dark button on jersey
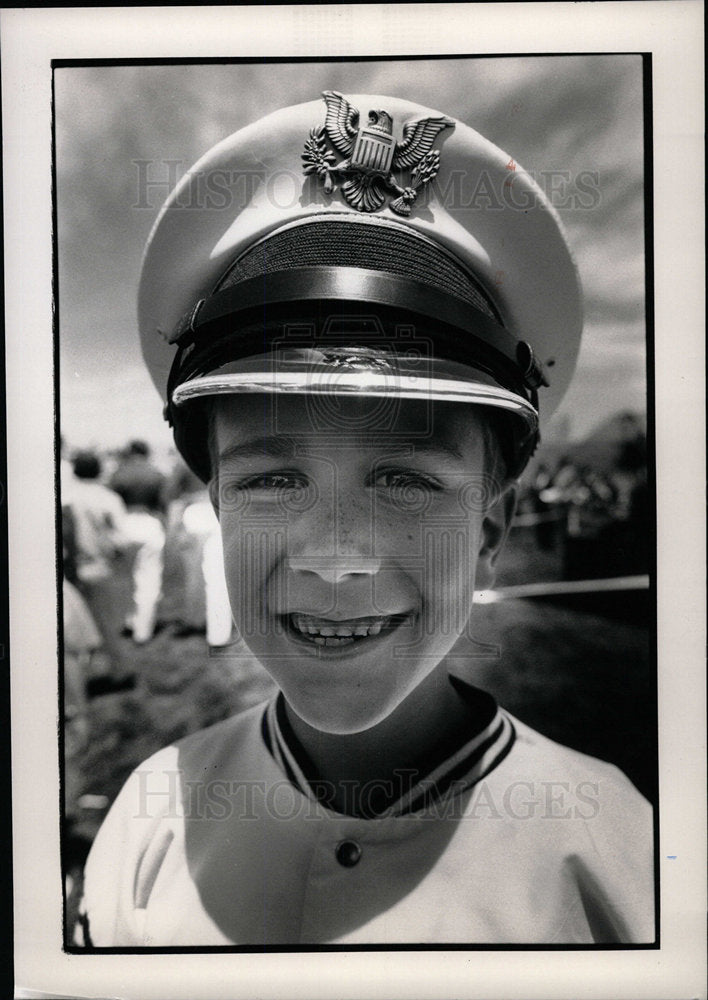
[348, 853]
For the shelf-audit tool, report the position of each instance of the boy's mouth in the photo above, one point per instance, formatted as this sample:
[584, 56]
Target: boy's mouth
[326, 632]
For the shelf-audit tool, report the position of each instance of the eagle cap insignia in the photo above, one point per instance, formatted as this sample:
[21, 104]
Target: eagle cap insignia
[372, 155]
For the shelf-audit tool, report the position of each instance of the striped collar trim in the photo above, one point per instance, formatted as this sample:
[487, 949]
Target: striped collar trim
[463, 769]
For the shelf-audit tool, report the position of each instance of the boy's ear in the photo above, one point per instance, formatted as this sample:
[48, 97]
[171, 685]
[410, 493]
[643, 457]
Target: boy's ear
[214, 493]
[495, 528]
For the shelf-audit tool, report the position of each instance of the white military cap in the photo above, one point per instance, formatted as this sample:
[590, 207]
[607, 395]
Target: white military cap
[359, 245]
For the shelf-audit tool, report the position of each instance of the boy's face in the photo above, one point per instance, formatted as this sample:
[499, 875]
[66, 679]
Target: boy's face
[352, 554]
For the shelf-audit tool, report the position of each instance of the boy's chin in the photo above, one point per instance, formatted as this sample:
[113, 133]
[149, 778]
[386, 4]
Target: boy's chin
[360, 708]
[351, 722]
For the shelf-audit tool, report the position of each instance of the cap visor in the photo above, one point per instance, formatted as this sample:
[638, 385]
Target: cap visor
[307, 372]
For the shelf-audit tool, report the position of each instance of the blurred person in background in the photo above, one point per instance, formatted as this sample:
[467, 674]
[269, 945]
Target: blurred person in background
[629, 535]
[194, 586]
[183, 601]
[547, 520]
[81, 642]
[94, 521]
[140, 484]
[630, 464]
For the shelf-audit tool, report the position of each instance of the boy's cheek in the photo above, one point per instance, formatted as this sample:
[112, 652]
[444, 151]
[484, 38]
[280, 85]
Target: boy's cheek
[249, 558]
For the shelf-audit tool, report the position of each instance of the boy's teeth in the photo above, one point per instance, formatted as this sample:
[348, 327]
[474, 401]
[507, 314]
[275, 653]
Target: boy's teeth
[331, 633]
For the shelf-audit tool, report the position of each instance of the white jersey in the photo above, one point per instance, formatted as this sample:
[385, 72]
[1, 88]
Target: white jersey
[216, 841]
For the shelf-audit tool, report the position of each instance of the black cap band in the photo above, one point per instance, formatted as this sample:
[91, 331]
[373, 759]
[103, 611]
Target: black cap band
[305, 284]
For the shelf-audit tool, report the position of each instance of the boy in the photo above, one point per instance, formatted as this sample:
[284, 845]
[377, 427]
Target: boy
[356, 365]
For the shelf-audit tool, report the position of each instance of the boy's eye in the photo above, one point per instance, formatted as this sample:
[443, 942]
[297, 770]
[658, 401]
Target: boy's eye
[284, 490]
[279, 482]
[407, 485]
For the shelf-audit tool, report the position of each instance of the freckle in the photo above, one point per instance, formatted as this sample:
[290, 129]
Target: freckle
[410, 538]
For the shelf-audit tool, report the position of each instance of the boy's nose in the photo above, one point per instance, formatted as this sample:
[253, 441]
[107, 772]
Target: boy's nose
[333, 570]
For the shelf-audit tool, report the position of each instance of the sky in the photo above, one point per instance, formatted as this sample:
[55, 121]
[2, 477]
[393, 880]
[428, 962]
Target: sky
[125, 134]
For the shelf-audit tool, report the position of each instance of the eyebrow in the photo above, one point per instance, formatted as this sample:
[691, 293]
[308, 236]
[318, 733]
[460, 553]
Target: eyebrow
[436, 448]
[278, 447]
[285, 447]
